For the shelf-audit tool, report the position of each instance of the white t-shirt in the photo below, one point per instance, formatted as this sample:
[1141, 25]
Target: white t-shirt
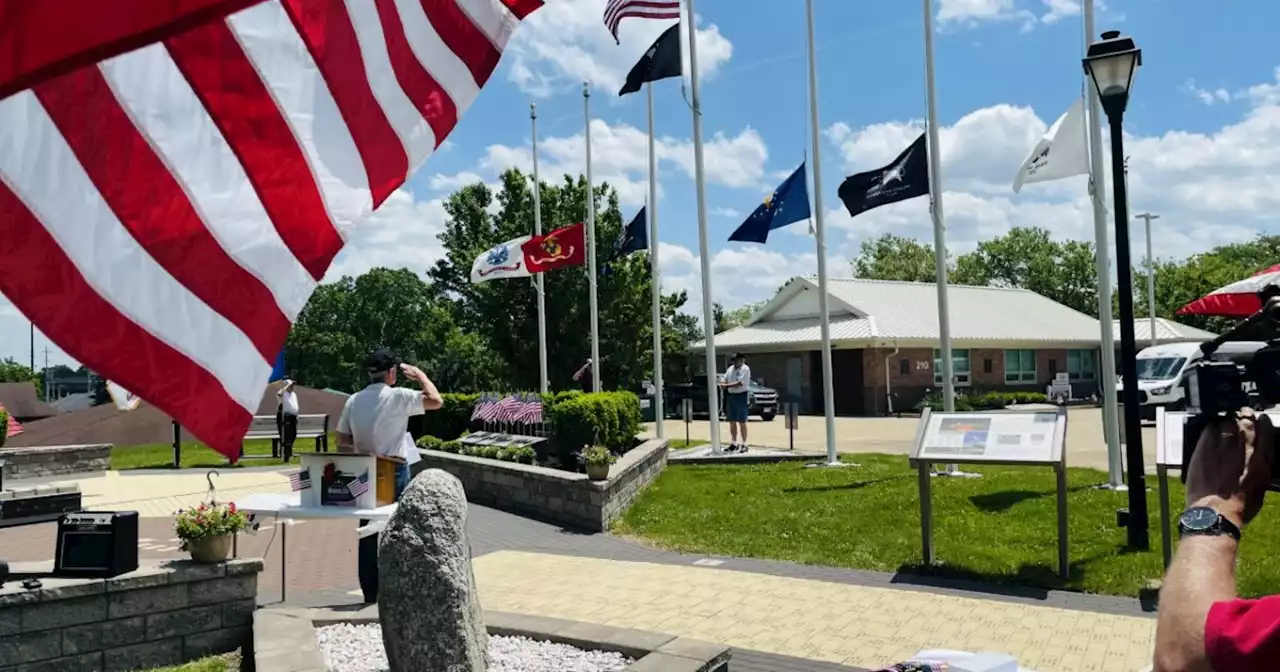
[289, 402]
[740, 376]
[377, 418]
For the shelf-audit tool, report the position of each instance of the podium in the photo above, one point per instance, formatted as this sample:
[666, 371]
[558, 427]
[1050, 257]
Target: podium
[348, 480]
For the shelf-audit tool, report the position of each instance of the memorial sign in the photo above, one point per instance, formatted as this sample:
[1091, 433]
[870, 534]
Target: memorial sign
[1015, 438]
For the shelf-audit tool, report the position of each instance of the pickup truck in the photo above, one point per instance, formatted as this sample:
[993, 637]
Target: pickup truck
[761, 400]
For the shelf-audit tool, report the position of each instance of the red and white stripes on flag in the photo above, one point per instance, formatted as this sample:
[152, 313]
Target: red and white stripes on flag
[179, 176]
[617, 10]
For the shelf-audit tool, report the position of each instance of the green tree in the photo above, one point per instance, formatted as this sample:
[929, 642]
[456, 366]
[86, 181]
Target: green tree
[679, 331]
[504, 312]
[13, 372]
[1027, 258]
[892, 257]
[346, 319]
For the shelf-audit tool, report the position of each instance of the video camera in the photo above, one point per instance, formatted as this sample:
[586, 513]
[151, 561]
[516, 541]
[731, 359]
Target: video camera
[1239, 369]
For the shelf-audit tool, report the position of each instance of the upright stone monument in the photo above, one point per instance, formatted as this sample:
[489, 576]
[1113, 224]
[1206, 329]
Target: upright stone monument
[427, 599]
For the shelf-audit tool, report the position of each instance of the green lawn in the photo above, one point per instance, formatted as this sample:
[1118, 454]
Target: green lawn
[1000, 528]
[225, 663]
[677, 444]
[198, 455]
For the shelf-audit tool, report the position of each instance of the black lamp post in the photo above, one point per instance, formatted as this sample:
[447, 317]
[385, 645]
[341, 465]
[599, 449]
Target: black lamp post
[1111, 64]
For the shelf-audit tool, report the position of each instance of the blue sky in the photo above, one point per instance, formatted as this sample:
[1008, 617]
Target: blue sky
[1204, 127]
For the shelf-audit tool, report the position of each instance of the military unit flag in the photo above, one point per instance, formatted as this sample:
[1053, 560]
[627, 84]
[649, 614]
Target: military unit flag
[906, 177]
[1062, 152]
[788, 204]
[522, 257]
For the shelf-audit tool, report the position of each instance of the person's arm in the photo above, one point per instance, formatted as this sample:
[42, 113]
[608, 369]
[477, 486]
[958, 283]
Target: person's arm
[346, 442]
[431, 399]
[582, 371]
[1229, 473]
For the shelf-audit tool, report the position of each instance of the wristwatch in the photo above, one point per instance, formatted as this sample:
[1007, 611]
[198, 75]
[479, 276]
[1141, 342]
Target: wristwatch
[1203, 520]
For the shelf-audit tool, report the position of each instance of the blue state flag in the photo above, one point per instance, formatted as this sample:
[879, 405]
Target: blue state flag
[788, 204]
[277, 370]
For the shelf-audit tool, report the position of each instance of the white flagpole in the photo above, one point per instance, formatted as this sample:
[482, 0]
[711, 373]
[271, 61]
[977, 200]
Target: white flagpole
[708, 315]
[939, 227]
[591, 248]
[828, 387]
[655, 276]
[1102, 259]
[537, 230]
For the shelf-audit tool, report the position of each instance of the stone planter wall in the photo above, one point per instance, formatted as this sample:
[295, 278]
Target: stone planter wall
[166, 613]
[38, 461]
[560, 497]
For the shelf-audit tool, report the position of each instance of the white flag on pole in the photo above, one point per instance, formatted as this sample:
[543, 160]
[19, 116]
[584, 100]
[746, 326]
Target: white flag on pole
[124, 399]
[1061, 153]
[502, 261]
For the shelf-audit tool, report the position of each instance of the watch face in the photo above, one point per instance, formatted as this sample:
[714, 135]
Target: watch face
[1199, 518]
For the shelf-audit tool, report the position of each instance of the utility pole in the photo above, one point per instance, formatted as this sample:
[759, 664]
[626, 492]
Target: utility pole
[1151, 277]
[48, 384]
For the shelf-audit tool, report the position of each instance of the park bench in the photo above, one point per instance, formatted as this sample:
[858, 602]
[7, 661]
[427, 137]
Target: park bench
[314, 426]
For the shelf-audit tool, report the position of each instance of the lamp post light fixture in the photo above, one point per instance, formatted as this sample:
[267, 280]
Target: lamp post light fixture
[1111, 64]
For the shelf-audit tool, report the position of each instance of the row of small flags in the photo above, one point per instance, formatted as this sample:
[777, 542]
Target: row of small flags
[301, 480]
[514, 408]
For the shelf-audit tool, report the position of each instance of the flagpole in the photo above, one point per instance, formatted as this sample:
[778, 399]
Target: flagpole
[655, 276]
[591, 248]
[828, 386]
[537, 231]
[939, 228]
[1102, 259]
[708, 315]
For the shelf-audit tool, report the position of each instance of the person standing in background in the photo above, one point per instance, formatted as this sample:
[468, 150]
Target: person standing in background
[287, 417]
[737, 380]
[585, 377]
[375, 421]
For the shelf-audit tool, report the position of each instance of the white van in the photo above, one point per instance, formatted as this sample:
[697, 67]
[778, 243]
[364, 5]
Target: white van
[1160, 372]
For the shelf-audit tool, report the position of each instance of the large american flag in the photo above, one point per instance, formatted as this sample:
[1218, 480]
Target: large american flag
[617, 10]
[179, 175]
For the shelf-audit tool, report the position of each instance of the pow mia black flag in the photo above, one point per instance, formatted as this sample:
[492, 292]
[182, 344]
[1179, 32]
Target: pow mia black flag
[661, 61]
[905, 177]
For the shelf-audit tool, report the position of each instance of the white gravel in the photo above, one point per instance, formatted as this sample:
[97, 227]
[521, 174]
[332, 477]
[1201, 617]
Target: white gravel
[358, 648]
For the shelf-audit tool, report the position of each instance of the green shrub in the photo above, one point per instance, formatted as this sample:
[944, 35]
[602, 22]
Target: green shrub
[983, 401]
[4, 426]
[428, 442]
[447, 422]
[454, 447]
[608, 419]
[522, 454]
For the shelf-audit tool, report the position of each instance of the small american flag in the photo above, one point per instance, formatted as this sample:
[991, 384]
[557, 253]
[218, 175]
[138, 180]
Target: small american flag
[482, 404]
[617, 10]
[530, 410]
[359, 486]
[506, 409]
[491, 408]
[300, 480]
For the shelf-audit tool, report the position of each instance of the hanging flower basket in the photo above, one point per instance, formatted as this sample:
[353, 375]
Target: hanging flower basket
[207, 530]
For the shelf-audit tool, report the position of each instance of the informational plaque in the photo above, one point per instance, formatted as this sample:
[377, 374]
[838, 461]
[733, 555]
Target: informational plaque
[1015, 438]
[998, 438]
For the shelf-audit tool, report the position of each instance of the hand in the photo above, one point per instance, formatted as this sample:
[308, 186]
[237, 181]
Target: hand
[412, 371]
[1231, 467]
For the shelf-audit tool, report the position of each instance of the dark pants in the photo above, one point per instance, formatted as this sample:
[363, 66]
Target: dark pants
[368, 551]
[288, 434]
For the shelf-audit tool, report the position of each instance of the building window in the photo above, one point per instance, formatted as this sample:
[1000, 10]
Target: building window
[1081, 364]
[904, 367]
[959, 366]
[1019, 367]
[986, 365]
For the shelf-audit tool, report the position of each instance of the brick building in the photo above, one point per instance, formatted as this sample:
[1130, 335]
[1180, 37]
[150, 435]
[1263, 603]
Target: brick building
[885, 339]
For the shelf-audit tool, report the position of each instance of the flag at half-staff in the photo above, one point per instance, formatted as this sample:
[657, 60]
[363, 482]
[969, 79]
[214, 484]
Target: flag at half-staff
[1063, 151]
[788, 204]
[633, 238]
[906, 177]
[524, 256]
[617, 10]
[661, 61]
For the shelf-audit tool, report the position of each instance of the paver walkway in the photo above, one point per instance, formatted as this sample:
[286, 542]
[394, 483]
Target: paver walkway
[772, 613]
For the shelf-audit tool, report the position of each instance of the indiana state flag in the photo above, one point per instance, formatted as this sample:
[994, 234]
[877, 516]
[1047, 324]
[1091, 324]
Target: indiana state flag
[787, 205]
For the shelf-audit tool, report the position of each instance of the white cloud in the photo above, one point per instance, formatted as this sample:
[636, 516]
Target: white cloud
[1209, 188]
[403, 233]
[971, 13]
[1207, 96]
[725, 212]
[619, 156]
[566, 42]
[1059, 10]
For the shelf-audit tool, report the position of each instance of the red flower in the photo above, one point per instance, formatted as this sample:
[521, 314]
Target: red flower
[232, 507]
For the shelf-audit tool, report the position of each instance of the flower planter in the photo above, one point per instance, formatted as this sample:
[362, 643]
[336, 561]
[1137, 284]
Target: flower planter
[210, 549]
[598, 472]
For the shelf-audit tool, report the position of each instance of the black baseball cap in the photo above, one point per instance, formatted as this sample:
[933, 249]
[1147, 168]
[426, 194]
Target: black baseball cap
[738, 355]
[382, 359]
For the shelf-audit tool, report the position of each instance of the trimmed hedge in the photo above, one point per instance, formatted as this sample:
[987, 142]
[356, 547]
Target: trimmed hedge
[984, 401]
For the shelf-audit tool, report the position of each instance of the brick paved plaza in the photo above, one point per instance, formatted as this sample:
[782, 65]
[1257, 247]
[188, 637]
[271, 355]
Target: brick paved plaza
[779, 617]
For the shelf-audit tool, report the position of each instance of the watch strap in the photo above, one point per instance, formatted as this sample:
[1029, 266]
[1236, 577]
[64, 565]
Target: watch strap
[1223, 527]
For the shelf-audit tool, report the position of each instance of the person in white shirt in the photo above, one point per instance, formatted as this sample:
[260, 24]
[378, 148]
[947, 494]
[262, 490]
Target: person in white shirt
[375, 421]
[288, 419]
[737, 379]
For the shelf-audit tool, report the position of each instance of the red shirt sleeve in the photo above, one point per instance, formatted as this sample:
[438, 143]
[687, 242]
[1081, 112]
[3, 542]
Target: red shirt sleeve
[1243, 635]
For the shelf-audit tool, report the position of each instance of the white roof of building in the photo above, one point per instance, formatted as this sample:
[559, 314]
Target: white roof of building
[880, 312]
[1167, 331]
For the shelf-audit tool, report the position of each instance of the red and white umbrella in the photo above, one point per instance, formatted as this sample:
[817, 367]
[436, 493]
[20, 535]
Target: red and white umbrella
[1238, 299]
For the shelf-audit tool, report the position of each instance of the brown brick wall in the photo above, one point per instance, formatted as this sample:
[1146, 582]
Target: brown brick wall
[979, 378]
[1049, 362]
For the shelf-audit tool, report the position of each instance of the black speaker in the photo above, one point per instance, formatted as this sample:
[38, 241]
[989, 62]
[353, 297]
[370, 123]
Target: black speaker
[97, 544]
